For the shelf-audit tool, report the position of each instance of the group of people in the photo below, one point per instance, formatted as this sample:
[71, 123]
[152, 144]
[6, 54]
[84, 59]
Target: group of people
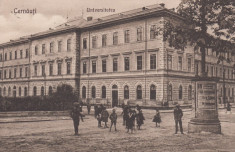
[131, 117]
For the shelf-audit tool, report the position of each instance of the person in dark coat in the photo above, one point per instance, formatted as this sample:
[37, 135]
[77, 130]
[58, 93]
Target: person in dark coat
[105, 117]
[178, 114]
[140, 119]
[157, 118]
[88, 107]
[130, 120]
[98, 115]
[125, 113]
[96, 111]
[138, 108]
[228, 107]
[113, 118]
[76, 114]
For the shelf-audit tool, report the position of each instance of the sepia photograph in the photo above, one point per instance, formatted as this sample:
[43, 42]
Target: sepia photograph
[117, 76]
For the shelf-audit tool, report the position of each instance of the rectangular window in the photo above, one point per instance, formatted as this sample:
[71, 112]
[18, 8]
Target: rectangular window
[84, 67]
[59, 68]
[43, 70]
[10, 55]
[0, 74]
[104, 40]
[189, 64]
[9, 73]
[68, 68]
[103, 65]
[51, 47]
[51, 69]
[5, 74]
[69, 45]
[180, 63]
[26, 71]
[21, 70]
[228, 74]
[212, 71]
[127, 63]
[5, 56]
[152, 32]
[93, 66]
[43, 48]
[139, 34]
[21, 54]
[15, 71]
[85, 43]
[94, 42]
[115, 65]
[36, 50]
[27, 53]
[139, 62]
[0, 57]
[127, 36]
[35, 70]
[59, 46]
[115, 38]
[153, 61]
[15, 54]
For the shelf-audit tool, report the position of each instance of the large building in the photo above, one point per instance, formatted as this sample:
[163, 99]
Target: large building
[113, 59]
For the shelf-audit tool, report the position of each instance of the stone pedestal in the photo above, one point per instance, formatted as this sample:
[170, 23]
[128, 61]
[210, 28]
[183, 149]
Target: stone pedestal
[205, 107]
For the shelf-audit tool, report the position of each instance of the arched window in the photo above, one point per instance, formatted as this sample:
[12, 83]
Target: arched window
[190, 92]
[153, 92]
[25, 91]
[126, 92]
[139, 92]
[42, 91]
[93, 92]
[180, 92]
[19, 91]
[35, 91]
[9, 91]
[50, 90]
[103, 92]
[4, 91]
[14, 91]
[84, 92]
[170, 92]
[0, 91]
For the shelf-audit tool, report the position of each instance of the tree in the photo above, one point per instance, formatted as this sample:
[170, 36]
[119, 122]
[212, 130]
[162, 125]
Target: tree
[207, 24]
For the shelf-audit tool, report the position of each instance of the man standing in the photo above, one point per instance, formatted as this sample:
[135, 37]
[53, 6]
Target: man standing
[113, 118]
[75, 115]
[178, 114]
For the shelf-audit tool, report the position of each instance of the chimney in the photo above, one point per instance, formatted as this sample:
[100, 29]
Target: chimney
[162, 4]
[89, 18]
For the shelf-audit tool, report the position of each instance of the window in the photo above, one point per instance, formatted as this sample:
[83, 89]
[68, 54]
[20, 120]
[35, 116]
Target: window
[5, 56]
[43, 70]
[0, 57]
[21, 70]
[104, 65]
[43, 48]
[4, 91]
[104, 40]
[94, 42]
[170, 62]
[68, 67]
[34, 91]
[139, 34]
[9, 73]
[103, 92]
[216, 71]
[139, 62]
[84, 67]
[180, 92]
[152, 32]
[26, 71]
[27, 53]
[170, 92]
[19, 91]
[25, 91]
[5, 74]
[0, 74]
[9, 91]
[51, 69]
[15, 71]
[189, 92]
[59, 46]
[127, 36]
[139, 92]
[93, 66]
[21, 54]
[153, 92]
[126, 92]
[50, 91]
[35, 70]
[115, 38]
[189, 64]
[180, 63]
[69, 45]
[84, 92]
[127, 63]
[115, 65]
[212, 71]
[93, 92]
[15, 54]
[228, 74]
[42, 91]
[59, 68]
[36, 50]
[153, 61]
[84, 43]
[51, 47]
[196, 68]
[10, 55]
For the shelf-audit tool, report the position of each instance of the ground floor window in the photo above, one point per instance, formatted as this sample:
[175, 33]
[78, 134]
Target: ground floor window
[50, 90]
[83, 92]
[180, 92]
[25, 91]
[103, 92]
[126, 92]
[93, 92]
[153, 92]
[139, 92]
[190, 92]
[34, 91]
[42, 91]
[170, 92]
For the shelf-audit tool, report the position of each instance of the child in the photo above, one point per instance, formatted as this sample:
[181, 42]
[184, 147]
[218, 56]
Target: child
[140, 119]
[113, 118]
[157, 118]
[104, 117]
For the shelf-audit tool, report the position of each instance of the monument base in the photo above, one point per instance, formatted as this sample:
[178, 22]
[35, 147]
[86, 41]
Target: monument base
[198, 126]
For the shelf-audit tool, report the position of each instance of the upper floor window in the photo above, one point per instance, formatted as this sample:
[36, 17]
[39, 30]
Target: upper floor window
[68, 67]
[139, 34]
[93, 66]
[51, 47]
[127, 63]
[190, 92]
[69, 45]
[21, 70]
[84, 67]
[115, 38]
[189, 64]
[139, 62]
[84, 43]
[127, 36]
[15, 54]
[10, 55]
[43, 70]
[15, 72]
[115, 64]
[9, 73]
[5, 56]
[21, 54]
[59, 68]
[51, 69]
[103, 65]
[153, 61]
[5, 74]
[26, 71]
[104, 40]
[43, 48]
[152, 32]
[36, 50]
[170, 62]
[0, 74]
[94, 42]
[0, 57]
[179, 63]
[59, 46]
[27, 53]
[35, 70]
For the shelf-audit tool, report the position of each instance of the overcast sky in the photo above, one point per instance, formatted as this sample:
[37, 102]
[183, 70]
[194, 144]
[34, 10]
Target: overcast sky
[51, 13]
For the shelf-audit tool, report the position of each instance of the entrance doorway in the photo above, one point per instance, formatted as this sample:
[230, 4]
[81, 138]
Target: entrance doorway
[114, 95]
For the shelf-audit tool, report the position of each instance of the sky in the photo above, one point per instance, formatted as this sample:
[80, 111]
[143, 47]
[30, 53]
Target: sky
[50, 13]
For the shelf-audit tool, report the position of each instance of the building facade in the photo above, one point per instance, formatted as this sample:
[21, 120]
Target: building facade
[112, 60]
